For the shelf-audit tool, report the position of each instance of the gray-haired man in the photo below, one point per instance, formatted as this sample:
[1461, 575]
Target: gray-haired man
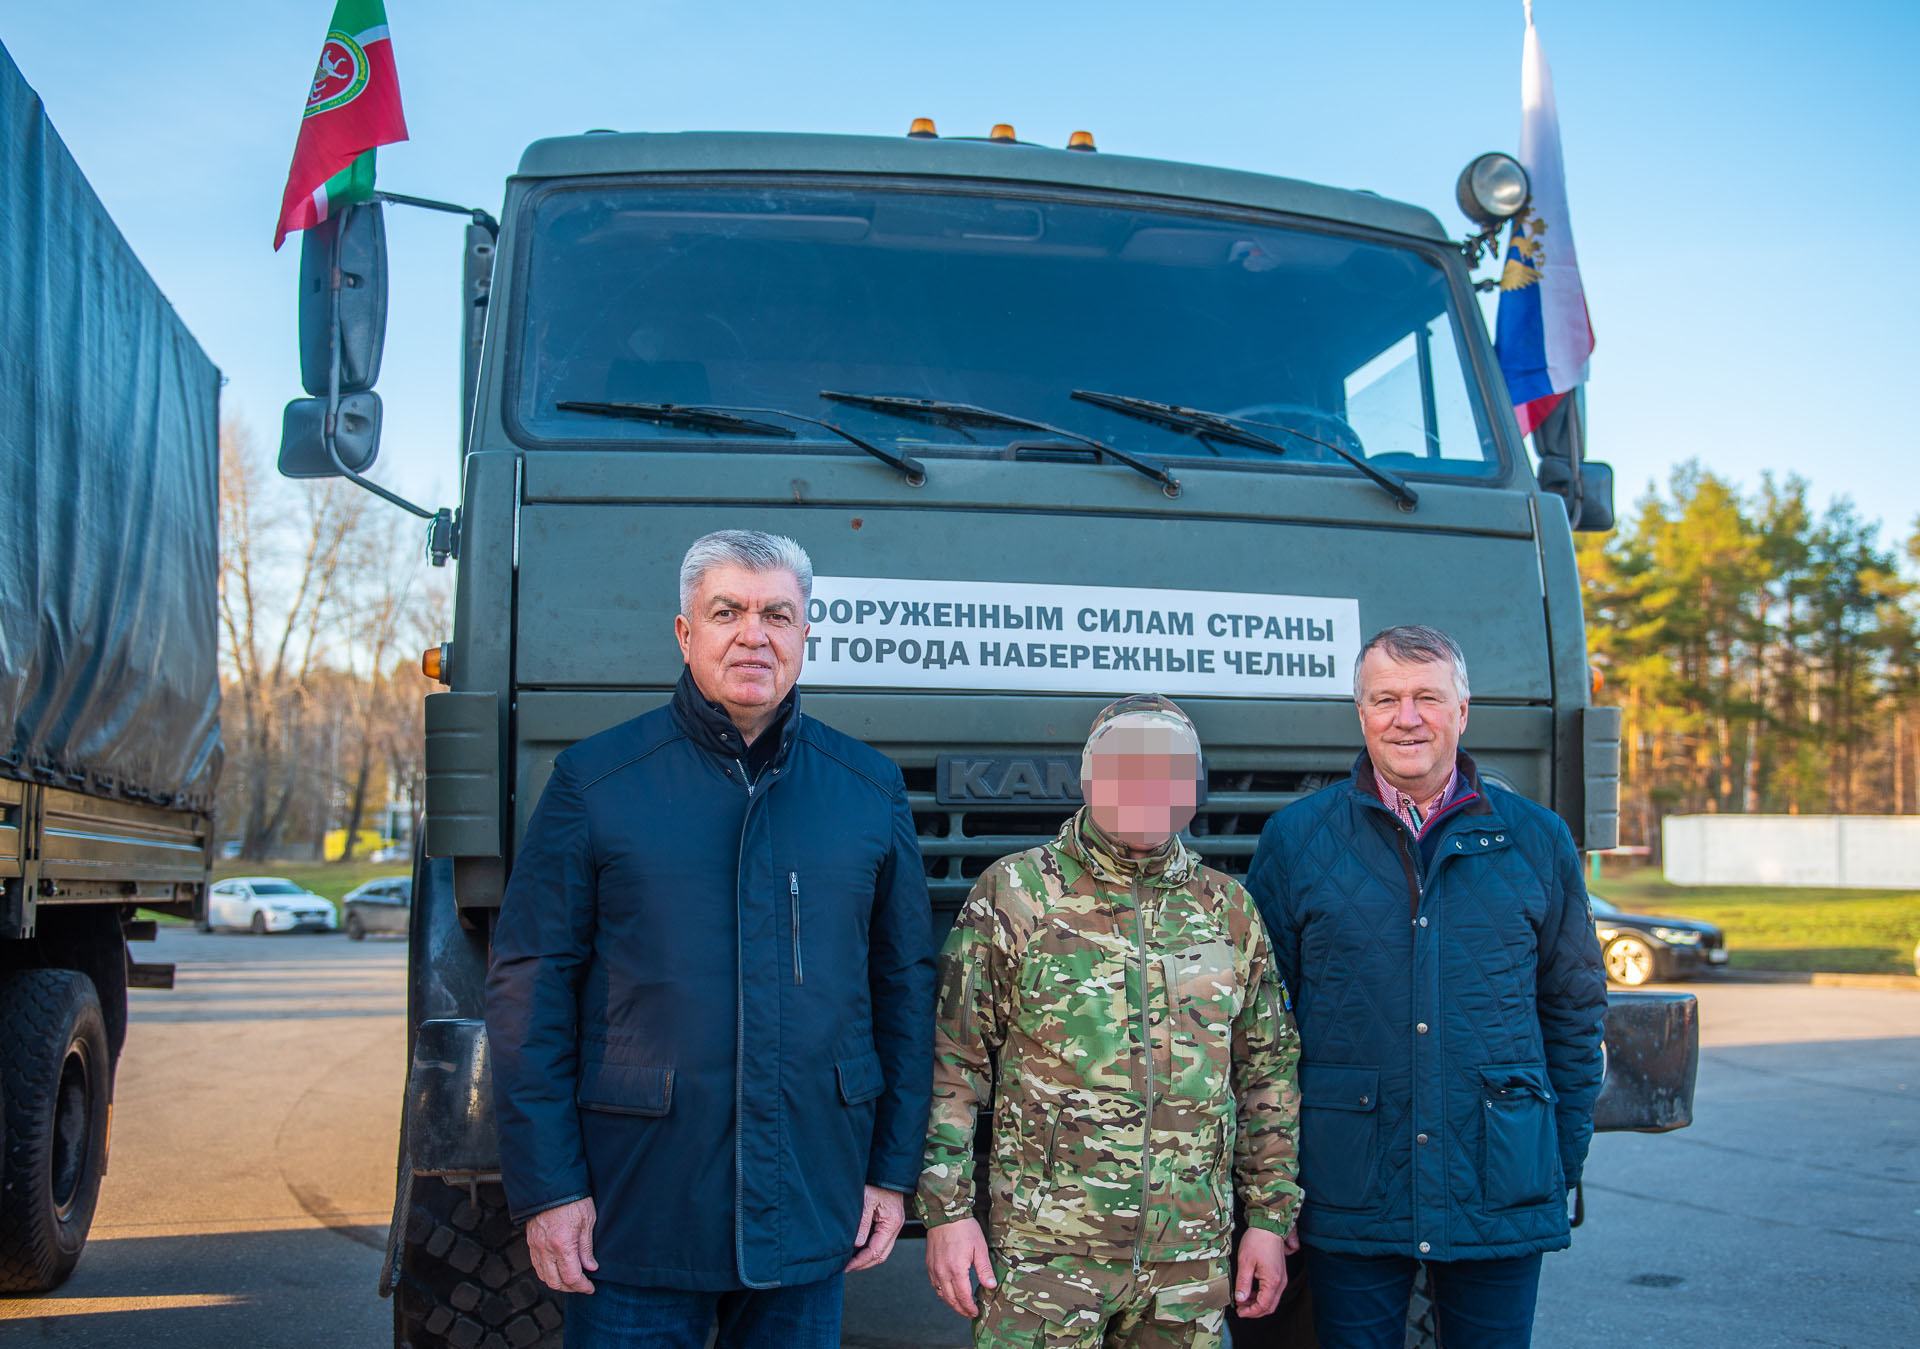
[710, 1007]
[1434, 931]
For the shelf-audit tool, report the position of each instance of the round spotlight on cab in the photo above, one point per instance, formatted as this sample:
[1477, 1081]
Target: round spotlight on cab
[1493, 188]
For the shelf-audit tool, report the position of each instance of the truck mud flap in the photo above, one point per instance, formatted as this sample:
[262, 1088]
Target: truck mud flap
[449, 1120]
[1652, 1055]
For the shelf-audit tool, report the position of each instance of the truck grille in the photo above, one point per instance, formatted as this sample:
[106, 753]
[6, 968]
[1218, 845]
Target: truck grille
[960, 842]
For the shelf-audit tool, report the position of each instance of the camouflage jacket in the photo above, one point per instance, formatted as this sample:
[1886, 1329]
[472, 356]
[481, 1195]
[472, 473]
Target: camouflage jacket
[1145, 1059]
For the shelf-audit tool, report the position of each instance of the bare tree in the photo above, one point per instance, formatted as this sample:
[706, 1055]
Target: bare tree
[388, 611]
[281, 556]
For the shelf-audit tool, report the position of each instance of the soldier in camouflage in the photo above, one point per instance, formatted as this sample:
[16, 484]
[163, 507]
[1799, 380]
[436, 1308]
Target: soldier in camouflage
[1120, 1001]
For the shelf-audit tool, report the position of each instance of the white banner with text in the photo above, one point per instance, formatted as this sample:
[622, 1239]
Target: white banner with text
[887, 632]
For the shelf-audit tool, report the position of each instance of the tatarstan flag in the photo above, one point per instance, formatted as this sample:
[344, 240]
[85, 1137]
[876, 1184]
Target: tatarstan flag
[352, 106]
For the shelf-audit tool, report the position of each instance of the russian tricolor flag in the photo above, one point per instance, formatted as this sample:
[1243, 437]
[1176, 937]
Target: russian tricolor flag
[1542, 332]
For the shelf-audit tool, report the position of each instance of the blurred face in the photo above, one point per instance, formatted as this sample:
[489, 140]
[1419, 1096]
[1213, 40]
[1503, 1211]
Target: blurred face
[744, 639]
[1140, 786]
[1411, 716]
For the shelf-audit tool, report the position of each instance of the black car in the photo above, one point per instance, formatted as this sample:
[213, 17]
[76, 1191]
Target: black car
[1641, 949]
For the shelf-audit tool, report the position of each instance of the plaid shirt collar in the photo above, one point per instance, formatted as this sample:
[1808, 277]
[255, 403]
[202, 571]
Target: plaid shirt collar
[1417, 815]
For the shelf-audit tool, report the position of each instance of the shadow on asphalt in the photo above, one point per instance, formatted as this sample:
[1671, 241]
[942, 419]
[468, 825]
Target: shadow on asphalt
[311, 1288]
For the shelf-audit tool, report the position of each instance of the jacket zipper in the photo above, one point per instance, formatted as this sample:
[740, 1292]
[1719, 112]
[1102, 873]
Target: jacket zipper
[793, 889]
[1146, 1072]
[740, 1038]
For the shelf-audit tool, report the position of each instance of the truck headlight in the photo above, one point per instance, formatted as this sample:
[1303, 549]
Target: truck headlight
[1492, 188]
[1674, 936]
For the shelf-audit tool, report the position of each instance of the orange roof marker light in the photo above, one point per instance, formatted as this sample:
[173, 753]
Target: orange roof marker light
[1082, 140]
[1595, 679]
[922, 130]
[433, 663]
[1002, 131]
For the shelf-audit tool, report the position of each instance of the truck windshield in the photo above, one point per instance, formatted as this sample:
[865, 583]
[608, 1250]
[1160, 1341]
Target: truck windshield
[765, 295]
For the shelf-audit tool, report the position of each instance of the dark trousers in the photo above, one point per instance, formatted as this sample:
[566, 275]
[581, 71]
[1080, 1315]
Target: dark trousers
[621, 1316]
[1360, 1301]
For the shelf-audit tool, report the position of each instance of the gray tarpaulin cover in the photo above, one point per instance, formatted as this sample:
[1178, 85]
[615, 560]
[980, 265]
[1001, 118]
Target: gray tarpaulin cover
[109, 460]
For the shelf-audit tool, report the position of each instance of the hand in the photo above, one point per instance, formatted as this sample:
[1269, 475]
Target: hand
[1293, 1239]
[560, 1240]
[1263, 1260]
[955, 1253]
[883, 1213]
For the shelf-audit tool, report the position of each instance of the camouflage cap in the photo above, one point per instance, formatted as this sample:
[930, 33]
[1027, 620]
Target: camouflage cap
[1142, 710]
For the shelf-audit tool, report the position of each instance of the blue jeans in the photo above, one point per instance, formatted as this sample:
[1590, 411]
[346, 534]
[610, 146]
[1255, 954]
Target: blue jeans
[1360, 1301]
[622, 1316]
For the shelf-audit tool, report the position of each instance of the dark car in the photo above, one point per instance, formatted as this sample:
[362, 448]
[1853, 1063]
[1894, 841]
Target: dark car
[1641, 949]
[381, 905]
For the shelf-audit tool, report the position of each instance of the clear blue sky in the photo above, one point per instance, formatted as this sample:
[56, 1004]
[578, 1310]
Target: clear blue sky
[1742, 176]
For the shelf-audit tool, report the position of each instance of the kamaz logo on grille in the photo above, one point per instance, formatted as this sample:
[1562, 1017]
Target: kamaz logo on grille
[962, 779]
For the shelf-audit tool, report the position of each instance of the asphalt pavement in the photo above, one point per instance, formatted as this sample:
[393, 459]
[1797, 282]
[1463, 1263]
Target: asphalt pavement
[253, 1151]
[250, 1178]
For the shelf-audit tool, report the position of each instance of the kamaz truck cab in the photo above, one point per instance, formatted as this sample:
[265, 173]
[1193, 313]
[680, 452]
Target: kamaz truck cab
[1055, 426]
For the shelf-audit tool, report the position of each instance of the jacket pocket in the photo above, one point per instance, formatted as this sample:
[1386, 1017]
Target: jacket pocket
[624, 1088]
[1519, 1148]
[1339, 1134]
[860, 1078]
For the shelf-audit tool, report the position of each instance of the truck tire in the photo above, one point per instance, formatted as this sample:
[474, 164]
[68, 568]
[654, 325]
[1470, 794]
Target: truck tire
[465, 1280]
[1291, 1325]
[55, 1076]
[1423, 1330]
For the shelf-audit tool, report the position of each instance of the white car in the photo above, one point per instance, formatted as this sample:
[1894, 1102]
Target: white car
[268, 904]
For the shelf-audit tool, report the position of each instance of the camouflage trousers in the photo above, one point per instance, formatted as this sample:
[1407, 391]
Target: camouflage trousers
[1074, 1302]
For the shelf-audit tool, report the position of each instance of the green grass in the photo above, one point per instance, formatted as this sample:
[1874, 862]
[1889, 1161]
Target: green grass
[330, 880]
[1828, 931]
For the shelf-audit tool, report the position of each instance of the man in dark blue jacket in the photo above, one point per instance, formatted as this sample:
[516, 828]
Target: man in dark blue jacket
[710, 1006]
[1435, 933]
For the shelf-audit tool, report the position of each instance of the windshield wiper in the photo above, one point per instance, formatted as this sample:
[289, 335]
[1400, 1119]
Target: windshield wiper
[1219, 426]
[967, 414]
[682, 414]
[718, 418]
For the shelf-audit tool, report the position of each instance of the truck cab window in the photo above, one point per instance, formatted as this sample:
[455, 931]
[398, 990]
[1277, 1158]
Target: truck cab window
[762, 296]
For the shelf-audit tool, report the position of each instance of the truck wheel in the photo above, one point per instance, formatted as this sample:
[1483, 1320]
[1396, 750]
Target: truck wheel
[56, 1075]
[1291, 1325]
[1629, 961]
[464, 1276]
[1423, 1330]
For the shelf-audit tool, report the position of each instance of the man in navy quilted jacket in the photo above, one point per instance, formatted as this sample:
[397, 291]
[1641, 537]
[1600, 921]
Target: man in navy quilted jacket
[1435, 933]
[711, 1001]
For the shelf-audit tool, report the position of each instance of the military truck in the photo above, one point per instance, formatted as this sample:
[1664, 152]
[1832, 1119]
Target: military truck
[1055, 425]
[109, 460]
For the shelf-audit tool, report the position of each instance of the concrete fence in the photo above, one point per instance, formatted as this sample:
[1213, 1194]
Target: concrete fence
[1857, 852]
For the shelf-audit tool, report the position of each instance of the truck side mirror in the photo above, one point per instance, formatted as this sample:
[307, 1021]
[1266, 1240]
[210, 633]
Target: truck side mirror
[354, 242]
[1596, 497]
[1585, 485]
[356, 436]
